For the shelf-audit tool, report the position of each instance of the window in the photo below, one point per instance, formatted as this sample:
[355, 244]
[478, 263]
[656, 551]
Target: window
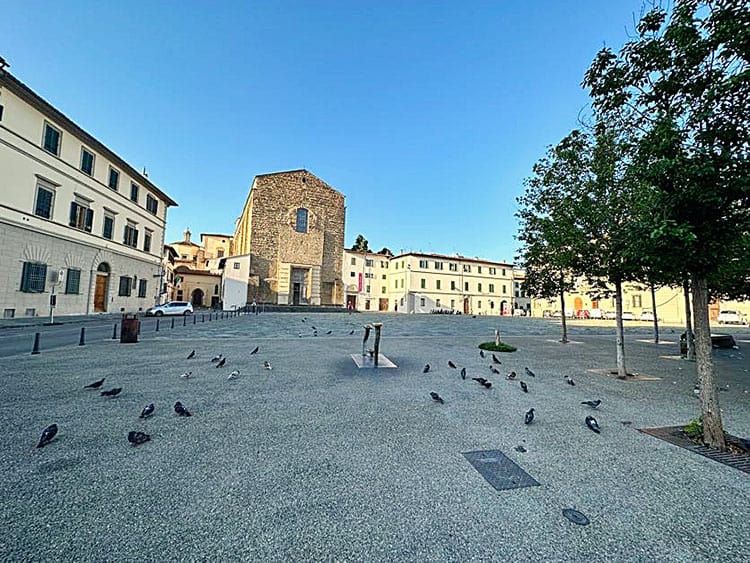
[51, 141]
[383, 264]
[395, 283]
[301, 223]
[220, 253]
[493, 271]
[141, 288]
[73, 281]
[369, 275]
[503, 270]
[479, 304]
[33, 277]
[130, 236]
[1, 118]
[402, 264]
[504, 290]
[44, 199]
[492, 288]
[352, 274]
[367, 289]
[453, 285]
[369, 263]
[114, 178]
[147, 235]
[152, 204]
[8, 313]
[134, 192]
[421, 301]
[492, 304]
[109, 226]
[453, 303]
[423, 263]
[402, 284]
[479, 269]
[466, 286]
[353, 261]
[396, 265]
[236, 265]
[126, 285]
[382, 290]
[479, 287]
[81, 217]
[437, 284]
[453, 267]
[437, 302]
[87, 161]
[438, 265]
[216, 289]
[384, 276]
[423, 283]
[636, 300]
[467, 268]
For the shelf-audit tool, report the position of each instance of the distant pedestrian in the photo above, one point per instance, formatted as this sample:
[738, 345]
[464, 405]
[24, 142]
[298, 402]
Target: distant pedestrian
[255, 307]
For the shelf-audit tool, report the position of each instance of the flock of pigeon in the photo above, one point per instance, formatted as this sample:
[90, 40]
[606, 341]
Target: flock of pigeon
[590, 421]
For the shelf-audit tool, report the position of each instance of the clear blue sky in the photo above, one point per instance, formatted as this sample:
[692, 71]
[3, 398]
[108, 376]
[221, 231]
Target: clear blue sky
[426, 115]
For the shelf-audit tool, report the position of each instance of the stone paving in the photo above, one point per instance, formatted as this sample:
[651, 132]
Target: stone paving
[316, 460]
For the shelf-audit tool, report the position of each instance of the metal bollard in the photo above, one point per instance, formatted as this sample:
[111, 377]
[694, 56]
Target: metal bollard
[82, 339]
[194, 319]
[35, 349]
[114, 332]
[184, 320]
[157, 325]
[172, 323]
[203, 318]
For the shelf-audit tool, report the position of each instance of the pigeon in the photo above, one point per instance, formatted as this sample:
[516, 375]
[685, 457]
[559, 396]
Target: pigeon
[112, 392]
[592, 404]
[221, 363]
[495, 360]
[216, 358]
[437, 398]
[481, 353]
[147, 411]
[487, 384]
[181, 410]
[267, 365]
[304, 319]
[426, 368]
[138, 438]
[520, 448]
[234, 374]
[480, 380]
[95, 384]
[569, 381]
[255, 351]
[511, 375]
[529, 373]
[494, 370]
[313, 327]
[329, 332]
[186, 375]
[451, 364]
[529, 417]
[47, 435]
[352, 332]
[524, 387]
[463, 373]
[191, 355]
[593, 424]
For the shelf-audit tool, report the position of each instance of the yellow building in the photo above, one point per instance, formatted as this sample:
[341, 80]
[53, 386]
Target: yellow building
[366, 280]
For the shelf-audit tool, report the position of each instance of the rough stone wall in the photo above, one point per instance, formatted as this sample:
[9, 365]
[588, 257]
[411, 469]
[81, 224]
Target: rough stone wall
[275, 199]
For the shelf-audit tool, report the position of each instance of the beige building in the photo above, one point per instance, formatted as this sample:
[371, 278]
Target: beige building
[292, 227]
[81, 228]
[366, 280]
[426, 283]
[195, 272]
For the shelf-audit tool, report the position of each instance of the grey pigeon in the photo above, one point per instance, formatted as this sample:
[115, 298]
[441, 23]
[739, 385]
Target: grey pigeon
[186, 375]
[313, 327]
[463, 373]
[267, 365]
[593, 424]
[529, 373]
[95, 384]
[495, 360]
[138, 438]
[221, 363]
[147, 411]
[529, 417]
[480, 380]
[216, 358]
[520, 448]
[426, 368]
[235, 373]
[592, 404]
[437, 398]
[451, 364]
[329, 332]
[112, 392]
[352, 332]
[494, 370]
[180, 409]
[255, 351]
[481, 353]
[524, 387]
[569, 381]
[191, 355]
[511, 375]
[47, 435]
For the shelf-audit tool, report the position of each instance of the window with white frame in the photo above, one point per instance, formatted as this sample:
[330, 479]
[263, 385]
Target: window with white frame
[51, 139]
[87, 161]
[152, 204]
[45, 199]
[130, 235]
[108, 228]
[81, 215]
[423, 263]
[33, 277]
[134, 192]
[147, 236]
[114, 178]
[73, 281]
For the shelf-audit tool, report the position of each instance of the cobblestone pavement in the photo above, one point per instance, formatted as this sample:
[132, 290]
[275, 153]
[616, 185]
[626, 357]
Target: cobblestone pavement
[316, 460]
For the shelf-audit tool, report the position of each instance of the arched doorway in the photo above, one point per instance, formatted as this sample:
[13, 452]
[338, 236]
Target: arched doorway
[197, 298]
[101, 289]
[577, 304]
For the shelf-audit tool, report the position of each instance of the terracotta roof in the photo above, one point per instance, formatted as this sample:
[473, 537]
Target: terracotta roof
[454, 258]
[189, 271]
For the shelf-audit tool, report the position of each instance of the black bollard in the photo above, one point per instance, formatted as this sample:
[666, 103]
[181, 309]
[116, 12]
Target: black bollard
[157, 325]
[35, 349]
[184, 320]
[203, 318]
[172, 322]
[114, 332]
[82, 339]
[194, 319]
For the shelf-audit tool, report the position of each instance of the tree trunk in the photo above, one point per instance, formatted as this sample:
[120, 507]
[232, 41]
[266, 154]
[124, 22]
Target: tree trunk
[713, 431]
[653, 310]
[690, 339]
[564, 320]
[622, 373]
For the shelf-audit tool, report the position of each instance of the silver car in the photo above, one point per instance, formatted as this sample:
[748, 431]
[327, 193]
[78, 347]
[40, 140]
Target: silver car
[171, 308]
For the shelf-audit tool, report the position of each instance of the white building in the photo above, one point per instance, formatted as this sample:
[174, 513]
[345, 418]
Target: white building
[75, 219]
[366, 280]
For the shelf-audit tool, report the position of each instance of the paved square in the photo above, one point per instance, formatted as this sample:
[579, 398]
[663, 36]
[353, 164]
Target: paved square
[315, 459]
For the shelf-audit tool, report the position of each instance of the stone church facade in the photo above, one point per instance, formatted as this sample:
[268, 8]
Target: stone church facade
[292, 230]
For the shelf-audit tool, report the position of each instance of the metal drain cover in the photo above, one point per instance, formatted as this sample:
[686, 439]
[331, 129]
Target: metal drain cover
[576, 517]
[500, 471]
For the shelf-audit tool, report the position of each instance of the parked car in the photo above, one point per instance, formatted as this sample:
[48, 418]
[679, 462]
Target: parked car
[582, 314]
[731, 317]
[171, 308]
[595, 314]
[610, 315]
[628, 316]
[647, 316]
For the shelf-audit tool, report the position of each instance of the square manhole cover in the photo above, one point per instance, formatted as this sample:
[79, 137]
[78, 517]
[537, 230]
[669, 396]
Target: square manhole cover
[499, 470]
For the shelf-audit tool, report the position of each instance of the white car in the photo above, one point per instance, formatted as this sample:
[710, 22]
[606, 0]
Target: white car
[171, 308]
[610, 315]
[731, 317]
[647, 316]
[627, 316]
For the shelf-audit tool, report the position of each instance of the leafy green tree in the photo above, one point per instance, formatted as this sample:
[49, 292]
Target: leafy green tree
[385, 250]
[683, 83]
[360, 245]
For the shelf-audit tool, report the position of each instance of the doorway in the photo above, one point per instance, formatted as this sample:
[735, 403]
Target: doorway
[101, 288]
[197, 298]
[296, 292]
[466, 305]
[351, 302]
[299, 286]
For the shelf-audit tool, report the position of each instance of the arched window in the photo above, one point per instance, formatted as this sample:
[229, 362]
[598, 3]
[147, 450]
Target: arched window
[301, 224]
[216, 289]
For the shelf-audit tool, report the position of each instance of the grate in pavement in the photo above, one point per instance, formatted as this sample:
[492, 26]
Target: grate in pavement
[499, 470]
[674, 435]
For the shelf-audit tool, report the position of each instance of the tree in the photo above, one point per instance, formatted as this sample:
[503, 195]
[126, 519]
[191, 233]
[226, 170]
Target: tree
[360, 245]
[683, 83]
[385, 250]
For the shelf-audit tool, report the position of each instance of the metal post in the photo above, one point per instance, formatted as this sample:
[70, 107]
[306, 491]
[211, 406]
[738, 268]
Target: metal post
[114, 332]
[157, 325]
[172, 323]
[35, 349]
[194, 319]
[184, 320]
[377, 326]
[203, 318]
[82, 339]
